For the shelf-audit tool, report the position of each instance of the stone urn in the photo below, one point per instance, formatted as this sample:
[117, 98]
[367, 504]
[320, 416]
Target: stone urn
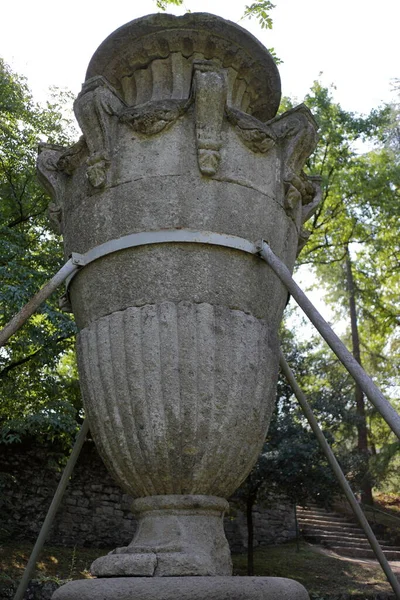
[183, 166]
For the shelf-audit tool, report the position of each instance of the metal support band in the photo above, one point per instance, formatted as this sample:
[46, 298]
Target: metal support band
[163, 236]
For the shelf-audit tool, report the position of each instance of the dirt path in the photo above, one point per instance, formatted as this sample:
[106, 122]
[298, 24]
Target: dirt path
[394, 564]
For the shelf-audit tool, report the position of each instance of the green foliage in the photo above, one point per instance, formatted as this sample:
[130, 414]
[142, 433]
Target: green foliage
[36, 373]
[56, 420]
[163, 4]
[261, 12]
[291, 461]
[357, 224]
[358, 217]
[359, 211]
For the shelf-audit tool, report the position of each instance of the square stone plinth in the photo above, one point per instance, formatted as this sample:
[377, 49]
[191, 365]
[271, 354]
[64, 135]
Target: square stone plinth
[183, 588]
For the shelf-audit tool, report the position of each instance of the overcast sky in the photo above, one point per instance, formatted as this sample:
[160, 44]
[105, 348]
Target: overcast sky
[355, 43]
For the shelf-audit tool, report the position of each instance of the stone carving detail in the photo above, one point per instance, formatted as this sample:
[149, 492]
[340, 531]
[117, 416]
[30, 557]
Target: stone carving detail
[53, 180]
[308, 209]
[314, 198]
[225, 345]
[73, 157]
[151, 59]
[153, 117]
[210, 89]
[64, 303]
[296, 131]
[193, 544]
[97, 109]
[257, 136]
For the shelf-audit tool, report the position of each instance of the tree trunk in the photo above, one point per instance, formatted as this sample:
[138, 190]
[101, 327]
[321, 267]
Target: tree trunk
[250, 534]
[296, 523]
[362, 430]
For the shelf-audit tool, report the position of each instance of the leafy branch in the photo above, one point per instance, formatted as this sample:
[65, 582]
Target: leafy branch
[163, 4]
[260, 12]
[17, 363]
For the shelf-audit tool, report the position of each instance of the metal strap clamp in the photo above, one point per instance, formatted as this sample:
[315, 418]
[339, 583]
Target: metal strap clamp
[163, 236]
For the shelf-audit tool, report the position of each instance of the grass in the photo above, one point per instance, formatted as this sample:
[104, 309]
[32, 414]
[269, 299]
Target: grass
[54, 562]
[320, 573]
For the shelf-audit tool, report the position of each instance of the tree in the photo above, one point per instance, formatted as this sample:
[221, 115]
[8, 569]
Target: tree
[39, 390]
[354, 253]
[354, 247]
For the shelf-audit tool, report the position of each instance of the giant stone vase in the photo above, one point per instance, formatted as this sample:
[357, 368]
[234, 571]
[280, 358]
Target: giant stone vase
[178, 337]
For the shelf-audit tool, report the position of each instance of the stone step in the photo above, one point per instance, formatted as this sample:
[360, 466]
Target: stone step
[339, 534]
[323, 517]
[323, 522]
[326, 517]
[302, 512]
[331, 528]
[338, 522]
[316, 510]
[364, 553]
[337, 539]
[353, 544]
[319, 533]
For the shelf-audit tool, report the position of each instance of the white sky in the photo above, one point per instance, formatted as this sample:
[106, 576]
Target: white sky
[355, 43]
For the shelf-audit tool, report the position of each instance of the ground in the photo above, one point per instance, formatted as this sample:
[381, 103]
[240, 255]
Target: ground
[323, 573]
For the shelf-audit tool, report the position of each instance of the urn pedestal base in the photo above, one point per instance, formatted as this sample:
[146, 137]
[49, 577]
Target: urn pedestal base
[177, 535]
[183, 588]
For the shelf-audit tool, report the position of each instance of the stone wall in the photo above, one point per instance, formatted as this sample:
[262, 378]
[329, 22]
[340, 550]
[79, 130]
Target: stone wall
[95, 512]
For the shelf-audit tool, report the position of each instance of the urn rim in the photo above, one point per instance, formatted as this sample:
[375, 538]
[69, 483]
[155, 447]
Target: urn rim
[132, 46]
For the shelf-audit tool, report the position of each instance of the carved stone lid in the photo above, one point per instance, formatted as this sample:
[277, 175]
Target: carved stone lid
[151, 59]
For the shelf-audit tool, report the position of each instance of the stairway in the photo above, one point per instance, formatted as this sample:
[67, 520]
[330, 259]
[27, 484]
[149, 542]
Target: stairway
[339, 533]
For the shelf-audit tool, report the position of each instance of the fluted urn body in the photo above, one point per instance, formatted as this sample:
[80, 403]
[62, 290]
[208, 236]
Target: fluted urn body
[178, 339]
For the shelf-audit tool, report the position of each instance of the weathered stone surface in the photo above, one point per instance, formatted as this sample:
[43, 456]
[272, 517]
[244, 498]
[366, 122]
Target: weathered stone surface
[151, 58]
[36, 590]
[165, 166]
[178, 342]
[165, 383]
[125, 565]
[177, 535]
[184, 588]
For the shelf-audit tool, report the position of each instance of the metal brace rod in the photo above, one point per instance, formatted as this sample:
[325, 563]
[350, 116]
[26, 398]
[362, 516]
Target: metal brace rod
[340, 476]
[27, 311]
[384, 407]
[163, 236]
[55, 503]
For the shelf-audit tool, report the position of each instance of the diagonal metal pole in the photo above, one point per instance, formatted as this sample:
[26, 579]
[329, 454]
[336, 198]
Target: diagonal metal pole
[340, 476]
[47, 523]
[26, 311]
[384, 407]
